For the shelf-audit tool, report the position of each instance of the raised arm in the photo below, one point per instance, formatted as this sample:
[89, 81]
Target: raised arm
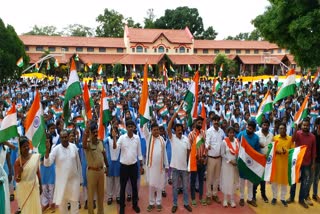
[169, 129]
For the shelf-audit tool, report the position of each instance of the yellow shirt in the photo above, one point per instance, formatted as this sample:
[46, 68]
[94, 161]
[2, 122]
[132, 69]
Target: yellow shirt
[281, 160]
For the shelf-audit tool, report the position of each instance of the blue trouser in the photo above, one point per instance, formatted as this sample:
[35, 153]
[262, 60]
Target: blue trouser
[305, 172]
[315, 175]
[200, 173]
[184, 175]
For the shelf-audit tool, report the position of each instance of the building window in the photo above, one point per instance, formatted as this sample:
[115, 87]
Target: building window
[176, 50]
[279, 50]
[182, 50]
[119, 50]
[133, 50]
[155, 50]
[90, 49]
[64, 49]
[187, 50]
[26, 48]
[205, 51]
[271, 51]
[227, 51]
[216, 51]
[39, 48]
[167, 50]
[238, 51]
[101, 50]
[52, 49]
[256, 51]
[79, 49]
[139, 49]
[247, 51]
[161, 49]
[145, 50]
[195, 51]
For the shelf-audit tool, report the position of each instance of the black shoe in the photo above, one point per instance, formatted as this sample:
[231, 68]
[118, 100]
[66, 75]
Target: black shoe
[170, 181]
[86, 205]
[252, 203]
[274, 201]
[265, 198]
[94, 204]
[129, 198]
[164, 194]
[284, 202]
[136, 209]
[79, 205]
[109, 201]
[69, 206]
[12, 197]
[118, 200]
[241, 202]
[187, 207]
[180, 190]
[197, 189]
[290, 200]
[174, 209]
[302, 203]
[18, 211]
[254, 199]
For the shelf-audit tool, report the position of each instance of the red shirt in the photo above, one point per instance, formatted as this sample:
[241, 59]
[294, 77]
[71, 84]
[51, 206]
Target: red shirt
[309, 140]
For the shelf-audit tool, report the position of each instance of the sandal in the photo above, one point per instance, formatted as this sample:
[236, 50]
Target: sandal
[12, 197]
[109, 201]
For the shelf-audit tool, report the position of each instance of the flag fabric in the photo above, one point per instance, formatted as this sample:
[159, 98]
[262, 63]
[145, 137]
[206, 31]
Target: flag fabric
[48, 65]
[164, 111]
[133, 68]
[105, 114]
[171, 68]
[73, 90]
[145, 105]
[20, 62]
[250, 162]
[270, 168]
[99, 71]
[221, 67]
[216, 86]
[56, 63]
[294, 163]
[189, 68]
[125, 69]
[76, 57]
[316, 78]
[302, 112]
[165, 76]
[89, 65]
[191, 99]
[36, 67]
[150, 67]
[288, 87]
[88, 102]
[265, 107]
[35, 125]
[199, 140]
[204, 116]
[8, 128]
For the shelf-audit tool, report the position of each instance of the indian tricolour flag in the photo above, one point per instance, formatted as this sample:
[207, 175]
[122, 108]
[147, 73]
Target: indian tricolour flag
[99, 71]
[56, 63]
[216, 85]
[35, 125]
[165, 76]
[89, 64]
[191, 98]
[316, 78]
[164, 111]
[265, 107]
[199, 140]
[73, 90]
[270, 168]
[250, 162]
[20, 62]
[288, 87]
[88, 102]
[189, 68]
[294, 163]
[303, 111]
[145, 105]
[105, 114]
[171, 68]
[8, 128]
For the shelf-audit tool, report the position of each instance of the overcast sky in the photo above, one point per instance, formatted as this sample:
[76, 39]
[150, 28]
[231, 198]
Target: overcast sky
[228, 17]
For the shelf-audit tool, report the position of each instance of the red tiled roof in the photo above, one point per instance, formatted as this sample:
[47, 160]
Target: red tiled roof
[101, 58]
[150, 35]
[209, 58]
[140, 59]
[291, 58]
[188, 59]
[233, 44]
[34, 57]
[71, 41]
[259, 59]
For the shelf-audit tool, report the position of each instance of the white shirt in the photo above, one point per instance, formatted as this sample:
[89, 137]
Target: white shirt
[179, 148]
[214, 138]
[264, 140]
[130, 149]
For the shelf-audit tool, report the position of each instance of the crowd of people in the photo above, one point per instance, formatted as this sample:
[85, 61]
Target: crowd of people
[77, 165]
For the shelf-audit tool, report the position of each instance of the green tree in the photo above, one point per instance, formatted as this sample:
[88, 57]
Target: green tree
[229, 66]
[11, 49]
[78, 30]
[110, 24]
[180, 18]
[118, 70]
[131, 23]
[150, 19]
[254, 35]
[46, 31]
[209, 34]
[294, 25]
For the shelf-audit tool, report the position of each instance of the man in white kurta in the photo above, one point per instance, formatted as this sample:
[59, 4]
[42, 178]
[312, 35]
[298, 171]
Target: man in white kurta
[157, 165]
[68, 173]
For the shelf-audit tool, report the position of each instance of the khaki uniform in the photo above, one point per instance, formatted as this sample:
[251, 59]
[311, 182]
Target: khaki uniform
[95, 175]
